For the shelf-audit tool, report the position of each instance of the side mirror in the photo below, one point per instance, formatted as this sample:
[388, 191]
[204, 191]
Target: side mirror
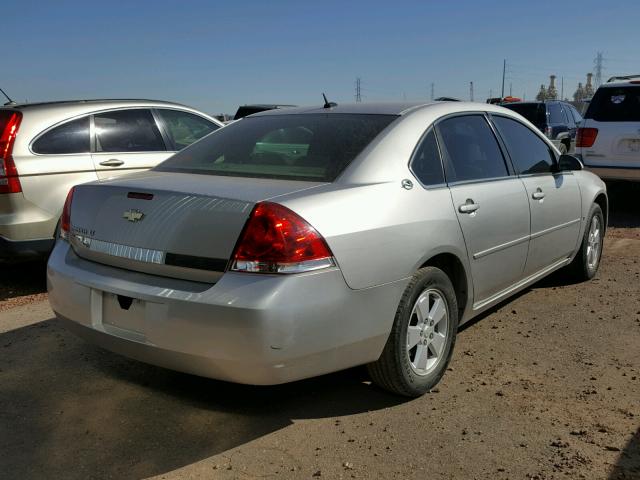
[569, 163]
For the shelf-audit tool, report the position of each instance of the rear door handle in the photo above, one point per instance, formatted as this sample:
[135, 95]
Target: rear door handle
[538, 194]
[113, 162]
[468, 207]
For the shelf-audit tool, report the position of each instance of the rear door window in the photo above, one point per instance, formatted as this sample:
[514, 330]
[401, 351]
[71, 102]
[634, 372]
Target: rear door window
[615, 104]
[127, 131]
[184, 128]
[529, 153]
[555, 113]
[426, 164]
[70, 137]
[314, 147]
[471, 149]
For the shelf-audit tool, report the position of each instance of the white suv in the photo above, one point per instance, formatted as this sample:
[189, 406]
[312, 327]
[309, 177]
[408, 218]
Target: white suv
[609, 140]
[46, 148]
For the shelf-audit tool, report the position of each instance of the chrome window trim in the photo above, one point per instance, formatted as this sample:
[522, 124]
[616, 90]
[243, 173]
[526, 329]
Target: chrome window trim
[56, 125]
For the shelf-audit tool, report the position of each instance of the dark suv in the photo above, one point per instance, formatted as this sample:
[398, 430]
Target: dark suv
[559, 121]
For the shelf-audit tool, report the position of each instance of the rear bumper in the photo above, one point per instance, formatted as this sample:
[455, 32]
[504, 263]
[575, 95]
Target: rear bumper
[254, 329]
[24, 248]
[615, 173]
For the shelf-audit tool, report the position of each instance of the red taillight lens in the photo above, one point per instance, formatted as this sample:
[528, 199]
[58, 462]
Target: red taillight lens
[65, 220]
[277, 240]
[586, 137]
[9, 181]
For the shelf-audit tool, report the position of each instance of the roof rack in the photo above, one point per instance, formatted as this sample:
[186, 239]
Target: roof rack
[623, 77]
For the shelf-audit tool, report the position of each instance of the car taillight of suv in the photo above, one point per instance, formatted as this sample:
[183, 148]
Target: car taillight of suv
[586, 137]
[9, 125]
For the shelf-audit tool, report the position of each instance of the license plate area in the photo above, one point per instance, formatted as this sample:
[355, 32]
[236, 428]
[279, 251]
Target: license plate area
[124, 313]
[631, 145]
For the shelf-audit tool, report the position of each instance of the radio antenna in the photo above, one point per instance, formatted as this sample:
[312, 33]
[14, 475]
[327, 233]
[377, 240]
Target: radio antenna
[10, 102]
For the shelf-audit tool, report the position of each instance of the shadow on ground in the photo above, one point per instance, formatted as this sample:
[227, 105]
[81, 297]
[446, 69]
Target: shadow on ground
[22, 278]
[70, 410]
[628, 464]
[623, 204]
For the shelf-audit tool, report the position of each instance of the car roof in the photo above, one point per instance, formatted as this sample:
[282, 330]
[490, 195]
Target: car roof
[399, 108]
[93, 102]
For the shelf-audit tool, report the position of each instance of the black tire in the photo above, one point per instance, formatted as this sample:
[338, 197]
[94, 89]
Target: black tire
[580, 267]
[393, 371]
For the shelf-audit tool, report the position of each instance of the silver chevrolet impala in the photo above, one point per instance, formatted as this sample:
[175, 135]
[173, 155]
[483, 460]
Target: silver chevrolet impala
[303, 241]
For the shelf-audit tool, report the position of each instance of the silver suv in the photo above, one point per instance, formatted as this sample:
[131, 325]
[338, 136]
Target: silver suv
[46, 148]
[609, 138]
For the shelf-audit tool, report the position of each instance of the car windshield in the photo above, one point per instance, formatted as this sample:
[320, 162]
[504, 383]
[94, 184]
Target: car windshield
[534, 112]
[313, 147]
[615, 104]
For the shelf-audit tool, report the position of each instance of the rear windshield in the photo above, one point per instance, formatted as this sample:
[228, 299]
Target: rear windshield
[615, 104]
[534, 112]
[314, 147]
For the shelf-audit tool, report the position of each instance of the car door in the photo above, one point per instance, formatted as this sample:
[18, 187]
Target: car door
[183, 128]
[126, 141]
[554, 197]
[490, 203]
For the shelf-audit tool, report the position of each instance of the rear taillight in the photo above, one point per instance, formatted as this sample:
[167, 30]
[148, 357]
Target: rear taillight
[586, 137]
[65, 220]
[9, 181]
[277, 240]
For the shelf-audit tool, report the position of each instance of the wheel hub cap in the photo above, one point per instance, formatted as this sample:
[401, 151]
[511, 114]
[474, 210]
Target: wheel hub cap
[594, 243]
[427, 331]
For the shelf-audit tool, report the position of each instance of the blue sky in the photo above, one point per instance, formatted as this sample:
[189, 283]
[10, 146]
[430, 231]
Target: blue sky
[216, 55]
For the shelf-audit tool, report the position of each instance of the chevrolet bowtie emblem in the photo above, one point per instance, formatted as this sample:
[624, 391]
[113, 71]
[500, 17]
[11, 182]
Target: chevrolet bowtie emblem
[133, 215]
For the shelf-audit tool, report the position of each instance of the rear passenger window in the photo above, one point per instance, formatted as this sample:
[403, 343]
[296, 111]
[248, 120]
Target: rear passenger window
[185, 128]
[70, 137]
[529, 153]
[555, 113]
[426, 165]
[471, 149]
[127, 131]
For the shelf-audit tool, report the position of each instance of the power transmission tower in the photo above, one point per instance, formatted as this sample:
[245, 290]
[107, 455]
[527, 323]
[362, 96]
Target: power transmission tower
[471, 91]
[510, 89]
[598, 63]
[358, 90]
[432, 91]
[504, 70]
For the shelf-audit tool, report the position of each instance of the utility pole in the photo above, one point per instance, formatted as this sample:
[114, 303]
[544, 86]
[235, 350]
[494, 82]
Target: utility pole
[510, 89]
[471, 91]
[432, 91]
[561, 88]
[358, 91]
[490, 93]
[598, 63]
[504, 70]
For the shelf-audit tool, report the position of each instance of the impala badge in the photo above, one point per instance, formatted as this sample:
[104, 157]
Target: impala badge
[133, 215]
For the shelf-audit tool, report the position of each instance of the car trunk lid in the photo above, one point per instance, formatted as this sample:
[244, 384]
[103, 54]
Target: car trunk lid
[176, 225]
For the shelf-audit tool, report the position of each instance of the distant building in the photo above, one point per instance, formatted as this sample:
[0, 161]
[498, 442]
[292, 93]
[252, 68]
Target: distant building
[542, 94]
[578, 96]
[552, 91]
[588, 88]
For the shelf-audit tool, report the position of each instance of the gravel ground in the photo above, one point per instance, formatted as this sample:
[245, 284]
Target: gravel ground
[546, 386]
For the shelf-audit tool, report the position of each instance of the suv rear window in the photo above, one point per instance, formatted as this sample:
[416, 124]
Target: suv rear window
[70, 137]
[314, 147]
[615, 104]
[534, 112]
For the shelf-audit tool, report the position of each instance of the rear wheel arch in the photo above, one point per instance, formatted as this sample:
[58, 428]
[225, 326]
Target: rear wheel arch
[453, 267]
[603, 202]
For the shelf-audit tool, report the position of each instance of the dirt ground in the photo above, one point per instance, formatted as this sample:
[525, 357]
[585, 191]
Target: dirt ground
[546, 386]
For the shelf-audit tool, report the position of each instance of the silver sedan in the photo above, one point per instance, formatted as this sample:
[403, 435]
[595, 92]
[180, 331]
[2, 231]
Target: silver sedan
[299, 242]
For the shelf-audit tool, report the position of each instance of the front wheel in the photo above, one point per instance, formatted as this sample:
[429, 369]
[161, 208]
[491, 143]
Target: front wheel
[421, 341]
[587, 260]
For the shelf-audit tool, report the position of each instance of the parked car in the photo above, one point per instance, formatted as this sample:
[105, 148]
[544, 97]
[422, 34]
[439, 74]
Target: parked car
[368, 241]
[557, 120]
[45, 148]
[245, 110]
[609, 141]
